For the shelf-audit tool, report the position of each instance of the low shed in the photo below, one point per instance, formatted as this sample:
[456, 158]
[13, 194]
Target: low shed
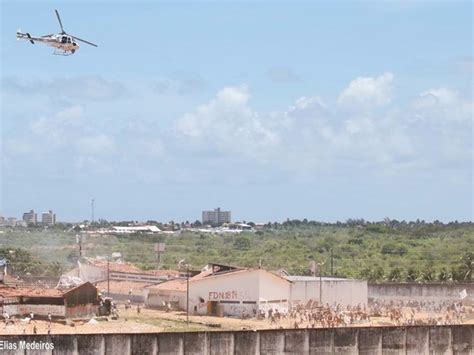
[79, 301]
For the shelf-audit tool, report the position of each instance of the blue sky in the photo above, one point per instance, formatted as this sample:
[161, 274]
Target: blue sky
[319, 110]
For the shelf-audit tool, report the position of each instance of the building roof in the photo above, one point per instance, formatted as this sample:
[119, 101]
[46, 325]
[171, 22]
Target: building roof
[172, 285]
[211, 271]
[114, 266]
[315, 278]
[129, 268]
[6, 291]
[215, 270]
[153, 229]
[29, 292]
[123, 287]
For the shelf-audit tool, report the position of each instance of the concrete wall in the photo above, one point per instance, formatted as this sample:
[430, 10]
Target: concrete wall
[420, 292]
[344, 292]
[155, 298]
[417, 340]
[37, 309]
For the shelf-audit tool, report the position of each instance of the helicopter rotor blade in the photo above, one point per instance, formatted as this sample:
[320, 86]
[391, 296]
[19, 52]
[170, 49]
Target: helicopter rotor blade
[83, 40]
[60, 23]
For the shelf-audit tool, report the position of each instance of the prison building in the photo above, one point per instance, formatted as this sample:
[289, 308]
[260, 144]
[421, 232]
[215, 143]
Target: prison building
[223, 290]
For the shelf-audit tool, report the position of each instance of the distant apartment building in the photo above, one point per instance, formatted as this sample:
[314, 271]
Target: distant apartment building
[30, 217]
[11, 222]
[48, 218]
[216, 217]
[2, 220]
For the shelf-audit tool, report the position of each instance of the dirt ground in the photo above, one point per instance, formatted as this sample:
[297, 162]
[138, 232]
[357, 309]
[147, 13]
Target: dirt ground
[149, 320]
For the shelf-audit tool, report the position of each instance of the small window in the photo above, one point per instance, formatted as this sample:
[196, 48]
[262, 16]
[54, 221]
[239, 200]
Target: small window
[64, 39]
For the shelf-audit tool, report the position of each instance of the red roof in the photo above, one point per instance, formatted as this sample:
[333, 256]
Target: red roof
[6, 291]
[29, 292]
[173, 285]
[130, 268]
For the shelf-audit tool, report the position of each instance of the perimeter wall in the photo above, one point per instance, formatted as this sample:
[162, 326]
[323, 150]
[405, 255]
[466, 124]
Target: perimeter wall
[433, 291]
[376, 340]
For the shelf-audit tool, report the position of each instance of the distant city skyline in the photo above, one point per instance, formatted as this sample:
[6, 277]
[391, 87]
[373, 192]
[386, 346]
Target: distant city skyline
[325, 111]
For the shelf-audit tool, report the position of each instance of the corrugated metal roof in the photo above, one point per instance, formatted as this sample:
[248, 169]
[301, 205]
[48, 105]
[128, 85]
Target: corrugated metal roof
[173, 285]
[315, 278]
[29, 292]
[123, 287]
[6, 291]
[129, 268]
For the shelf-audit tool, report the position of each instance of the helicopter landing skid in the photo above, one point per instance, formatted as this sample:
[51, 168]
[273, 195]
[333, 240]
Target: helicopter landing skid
[62, 52]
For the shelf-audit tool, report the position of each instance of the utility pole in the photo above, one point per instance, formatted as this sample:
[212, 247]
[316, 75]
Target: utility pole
[321, 283]
[92, 210]
[79, 243]
[187, 294]
[180, 267]
[108, 278]
[320, 287]
[159, 248]
[332, 263]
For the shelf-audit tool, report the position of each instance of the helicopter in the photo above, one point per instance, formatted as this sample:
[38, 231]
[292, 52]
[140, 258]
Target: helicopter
[64, 43]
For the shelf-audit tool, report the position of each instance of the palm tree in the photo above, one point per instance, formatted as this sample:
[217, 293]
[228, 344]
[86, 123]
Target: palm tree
[467, 264]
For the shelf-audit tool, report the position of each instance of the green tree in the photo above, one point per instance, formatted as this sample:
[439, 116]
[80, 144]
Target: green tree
[412, 274]
[467, 264]
[242, 243]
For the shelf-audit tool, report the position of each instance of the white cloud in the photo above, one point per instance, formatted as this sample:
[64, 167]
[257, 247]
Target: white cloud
[17, 146]
[72, 88]
[227, 122]
[179, 84]
[153, 148]
[100, 144]
[367, 92]
[56, 128]
[309, 135]
[90, 164]
[283, 74]
[442, 105]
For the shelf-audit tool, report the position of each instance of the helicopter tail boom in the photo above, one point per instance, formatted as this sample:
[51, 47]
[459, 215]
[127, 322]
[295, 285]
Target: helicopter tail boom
[20, 35]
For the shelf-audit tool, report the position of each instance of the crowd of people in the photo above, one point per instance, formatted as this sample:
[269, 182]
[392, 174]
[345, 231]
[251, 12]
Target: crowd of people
[434, 313]
[403, 313]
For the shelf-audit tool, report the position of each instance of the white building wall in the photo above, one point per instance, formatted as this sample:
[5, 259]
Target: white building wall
[91, 273]
[274, 292]
[155, 298]
[344, 292]
[232, 294]
[37, 309]
[230, 291]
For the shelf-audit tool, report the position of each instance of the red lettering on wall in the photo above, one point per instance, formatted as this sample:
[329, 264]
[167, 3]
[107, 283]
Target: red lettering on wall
[223, 295]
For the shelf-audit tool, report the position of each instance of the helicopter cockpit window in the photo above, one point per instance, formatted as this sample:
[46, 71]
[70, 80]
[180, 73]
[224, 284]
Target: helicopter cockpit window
[69, 40]
[64, 39]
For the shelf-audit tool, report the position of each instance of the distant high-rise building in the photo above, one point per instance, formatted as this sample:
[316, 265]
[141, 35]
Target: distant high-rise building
[216, 217]
[2, 220]
[30, 217]
[48, 218]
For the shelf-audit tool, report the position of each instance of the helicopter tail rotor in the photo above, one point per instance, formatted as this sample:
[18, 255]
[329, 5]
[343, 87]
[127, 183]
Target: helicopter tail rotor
[29, 36]
[21, 35]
